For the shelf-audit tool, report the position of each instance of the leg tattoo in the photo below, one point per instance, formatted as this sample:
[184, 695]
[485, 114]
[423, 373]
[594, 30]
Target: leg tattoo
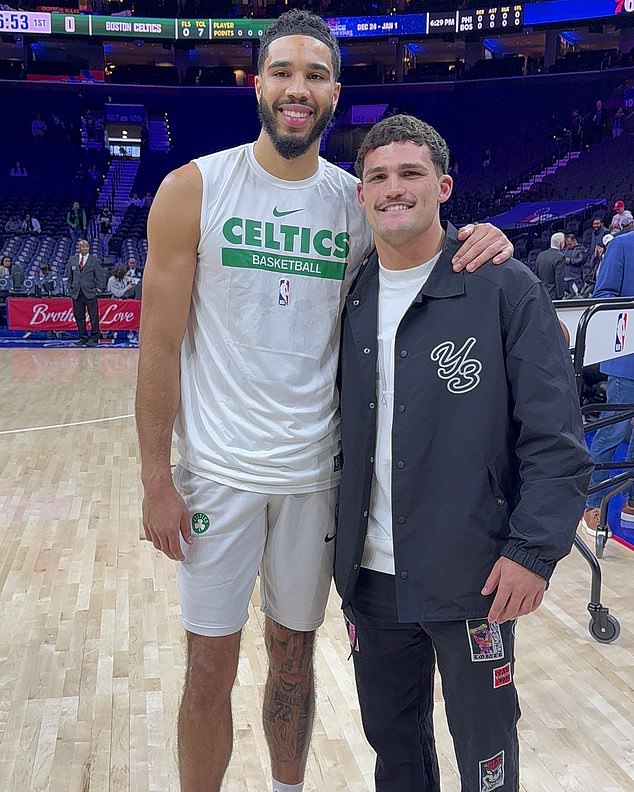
[289, 700]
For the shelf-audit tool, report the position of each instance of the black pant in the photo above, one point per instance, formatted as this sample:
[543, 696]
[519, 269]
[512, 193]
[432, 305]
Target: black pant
[394, 668]
[80, 303]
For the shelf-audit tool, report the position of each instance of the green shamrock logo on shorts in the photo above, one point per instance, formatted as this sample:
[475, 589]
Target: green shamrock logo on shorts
[200, 523]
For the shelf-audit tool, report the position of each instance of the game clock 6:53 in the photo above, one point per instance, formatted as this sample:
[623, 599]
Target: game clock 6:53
[24, 22]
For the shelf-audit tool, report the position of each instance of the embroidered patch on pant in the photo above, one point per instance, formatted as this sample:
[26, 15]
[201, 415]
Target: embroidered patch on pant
[352, 634]
[492, 773]
[485, 640]
[502, 676]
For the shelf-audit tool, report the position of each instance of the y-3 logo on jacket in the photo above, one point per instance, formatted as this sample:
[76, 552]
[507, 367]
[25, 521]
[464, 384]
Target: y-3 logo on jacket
[460, 371]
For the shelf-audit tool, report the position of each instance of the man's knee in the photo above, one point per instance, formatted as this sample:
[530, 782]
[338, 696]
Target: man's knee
[212, 664]
[289, 651]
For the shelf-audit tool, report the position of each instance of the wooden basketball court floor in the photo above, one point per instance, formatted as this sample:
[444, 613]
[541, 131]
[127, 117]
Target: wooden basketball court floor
[91, 649]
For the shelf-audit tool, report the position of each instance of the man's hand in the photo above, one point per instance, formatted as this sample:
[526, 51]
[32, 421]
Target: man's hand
[165, 518]
[519, 591]
[483, 243]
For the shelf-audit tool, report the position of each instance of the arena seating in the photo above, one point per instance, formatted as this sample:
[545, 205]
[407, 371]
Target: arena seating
[523, 129]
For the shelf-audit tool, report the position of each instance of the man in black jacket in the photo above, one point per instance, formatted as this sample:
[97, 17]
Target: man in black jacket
[464, 473]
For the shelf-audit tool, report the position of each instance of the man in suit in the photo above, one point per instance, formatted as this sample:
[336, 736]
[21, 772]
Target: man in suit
[85, 276]
[550, 267]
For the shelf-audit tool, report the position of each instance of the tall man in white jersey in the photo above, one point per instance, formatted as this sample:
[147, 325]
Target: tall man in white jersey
[251, 253]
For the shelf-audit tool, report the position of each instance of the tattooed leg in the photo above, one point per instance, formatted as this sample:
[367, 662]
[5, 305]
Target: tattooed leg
[289, 700]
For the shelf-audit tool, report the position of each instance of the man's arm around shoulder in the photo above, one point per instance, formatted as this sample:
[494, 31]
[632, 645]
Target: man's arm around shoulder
[173, 235]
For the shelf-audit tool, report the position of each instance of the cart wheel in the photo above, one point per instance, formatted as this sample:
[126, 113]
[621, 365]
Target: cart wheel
[599, 544]
[609, 634]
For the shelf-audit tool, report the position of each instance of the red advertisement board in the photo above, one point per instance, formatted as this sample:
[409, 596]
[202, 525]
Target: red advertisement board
[56, 313]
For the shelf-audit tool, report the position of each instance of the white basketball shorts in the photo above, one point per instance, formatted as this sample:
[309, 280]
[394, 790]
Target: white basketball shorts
[235, 534]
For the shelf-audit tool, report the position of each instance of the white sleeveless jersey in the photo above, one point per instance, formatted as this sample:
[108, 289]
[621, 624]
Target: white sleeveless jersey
[258, 365]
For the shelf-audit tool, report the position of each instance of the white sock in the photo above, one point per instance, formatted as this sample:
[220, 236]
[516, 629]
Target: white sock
[278, 786]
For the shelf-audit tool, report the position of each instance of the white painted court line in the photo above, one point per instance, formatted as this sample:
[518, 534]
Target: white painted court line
[64, 425]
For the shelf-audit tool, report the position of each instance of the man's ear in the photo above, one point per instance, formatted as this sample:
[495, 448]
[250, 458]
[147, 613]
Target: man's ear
[257, 82]
[360, 197]
[445, 186]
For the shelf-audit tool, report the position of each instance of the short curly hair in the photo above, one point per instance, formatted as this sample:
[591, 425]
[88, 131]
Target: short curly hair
[300, 23]
[404, 129]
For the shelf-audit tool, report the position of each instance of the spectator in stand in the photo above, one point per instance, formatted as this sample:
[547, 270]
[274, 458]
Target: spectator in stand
[105, 229]
[145, 139]
[5, 291]
[619, 208]
[147, 201]
[93, 173]
[13, 271]
[57, 130]
[550, 267]
[598, 122]
[627, 222]
[133, 274]
[576, 131]
[5, 266]
[18, 171]
[76, 222]
[598, 232]
[615, 279]
[85, 279]
[597, 258]
[30, 225]
[38, 129]
[118, 285]
[487, 158]
[135, 200]
[13, 225]
[618, 123]
[574, 259]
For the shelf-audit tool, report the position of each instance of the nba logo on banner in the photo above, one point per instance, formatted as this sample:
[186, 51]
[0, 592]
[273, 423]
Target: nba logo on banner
[621, 328]
[284, 292]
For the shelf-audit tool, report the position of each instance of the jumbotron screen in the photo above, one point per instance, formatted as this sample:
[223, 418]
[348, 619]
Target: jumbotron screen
[483, 19]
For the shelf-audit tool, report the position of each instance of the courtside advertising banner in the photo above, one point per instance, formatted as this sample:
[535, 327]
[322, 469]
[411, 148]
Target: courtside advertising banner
[57, 314]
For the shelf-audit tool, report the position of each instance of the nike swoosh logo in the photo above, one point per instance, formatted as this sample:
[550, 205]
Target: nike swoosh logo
[330, 538]
[278, 213]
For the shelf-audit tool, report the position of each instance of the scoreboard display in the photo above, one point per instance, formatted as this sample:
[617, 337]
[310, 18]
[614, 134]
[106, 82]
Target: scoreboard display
[478, 20]
[71, 24]
[498, 18]
[193, 29]
[360, 27]
[239, 28]
[24, 22]
[510, 16]
[231, 29]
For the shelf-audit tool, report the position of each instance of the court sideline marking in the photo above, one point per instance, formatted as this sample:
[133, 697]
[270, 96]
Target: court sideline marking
[64, 425]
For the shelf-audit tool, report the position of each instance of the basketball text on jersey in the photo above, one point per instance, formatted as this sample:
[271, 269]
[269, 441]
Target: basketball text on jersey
[284, 248]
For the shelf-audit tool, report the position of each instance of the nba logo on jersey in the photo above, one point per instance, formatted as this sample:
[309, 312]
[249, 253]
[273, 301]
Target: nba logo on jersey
[621, 328]
[284, 291]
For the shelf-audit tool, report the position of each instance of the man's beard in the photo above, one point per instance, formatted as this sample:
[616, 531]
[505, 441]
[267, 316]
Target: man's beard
[291, 146]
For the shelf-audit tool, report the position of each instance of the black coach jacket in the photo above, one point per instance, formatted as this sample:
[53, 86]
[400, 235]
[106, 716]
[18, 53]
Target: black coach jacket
[488, 450]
